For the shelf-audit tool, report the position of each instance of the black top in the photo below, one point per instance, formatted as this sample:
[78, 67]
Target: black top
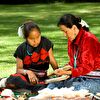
[36, 58]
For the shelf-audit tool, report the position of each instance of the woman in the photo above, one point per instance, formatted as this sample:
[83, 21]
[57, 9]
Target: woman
[84, 54]
[33, 57]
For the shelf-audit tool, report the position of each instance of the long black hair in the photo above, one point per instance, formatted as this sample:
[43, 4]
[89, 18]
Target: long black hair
[69, 20]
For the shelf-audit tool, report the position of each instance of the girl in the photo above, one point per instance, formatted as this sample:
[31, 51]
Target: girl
[33, 57]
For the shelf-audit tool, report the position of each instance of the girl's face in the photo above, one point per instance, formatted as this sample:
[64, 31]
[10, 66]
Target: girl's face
[34, 38]
[70, 33]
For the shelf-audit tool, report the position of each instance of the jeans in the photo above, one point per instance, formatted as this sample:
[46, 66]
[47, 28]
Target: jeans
[93, 85]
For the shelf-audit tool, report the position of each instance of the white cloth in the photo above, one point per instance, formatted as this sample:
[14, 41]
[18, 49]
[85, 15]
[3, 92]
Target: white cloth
[2, 82]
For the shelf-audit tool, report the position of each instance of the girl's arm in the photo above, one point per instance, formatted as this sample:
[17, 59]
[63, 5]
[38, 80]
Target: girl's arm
[32, 77]
[52, 59]
[19, 64]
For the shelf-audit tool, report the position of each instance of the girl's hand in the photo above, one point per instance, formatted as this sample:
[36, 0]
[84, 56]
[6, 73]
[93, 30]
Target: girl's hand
[32, 77]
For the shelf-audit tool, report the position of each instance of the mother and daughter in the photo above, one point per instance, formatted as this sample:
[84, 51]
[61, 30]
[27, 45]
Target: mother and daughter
[35, 54]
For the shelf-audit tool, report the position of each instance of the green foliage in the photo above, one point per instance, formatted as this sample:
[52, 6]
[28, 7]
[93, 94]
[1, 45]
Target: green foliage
[11, 17]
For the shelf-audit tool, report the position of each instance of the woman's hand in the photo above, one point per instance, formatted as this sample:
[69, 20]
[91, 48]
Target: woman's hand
[60, 72]
[66, 70]
[32, 77]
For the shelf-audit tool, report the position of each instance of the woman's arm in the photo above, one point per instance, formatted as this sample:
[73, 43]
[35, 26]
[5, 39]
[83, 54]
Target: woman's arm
[87, 59]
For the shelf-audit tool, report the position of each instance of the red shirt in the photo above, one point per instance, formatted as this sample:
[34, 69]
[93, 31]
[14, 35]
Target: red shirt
[88, 58]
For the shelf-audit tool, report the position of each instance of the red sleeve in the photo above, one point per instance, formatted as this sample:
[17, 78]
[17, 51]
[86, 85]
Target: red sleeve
[87, 58]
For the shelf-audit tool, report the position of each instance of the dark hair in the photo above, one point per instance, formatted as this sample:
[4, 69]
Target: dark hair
[69, 20]
[27, 28]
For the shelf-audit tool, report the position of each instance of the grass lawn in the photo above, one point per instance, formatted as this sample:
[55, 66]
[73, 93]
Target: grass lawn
[11, 17]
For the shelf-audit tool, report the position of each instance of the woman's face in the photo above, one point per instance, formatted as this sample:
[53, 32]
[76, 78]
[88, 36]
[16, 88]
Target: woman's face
[34, 38]
[70, 33]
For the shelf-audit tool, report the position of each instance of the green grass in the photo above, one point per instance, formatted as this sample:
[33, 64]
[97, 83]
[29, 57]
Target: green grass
[11, 17]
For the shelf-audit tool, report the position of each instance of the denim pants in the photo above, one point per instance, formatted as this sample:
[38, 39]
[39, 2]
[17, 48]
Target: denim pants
[93, 85]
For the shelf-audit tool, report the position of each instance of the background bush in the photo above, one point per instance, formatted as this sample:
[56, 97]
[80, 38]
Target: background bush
[42, 1]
